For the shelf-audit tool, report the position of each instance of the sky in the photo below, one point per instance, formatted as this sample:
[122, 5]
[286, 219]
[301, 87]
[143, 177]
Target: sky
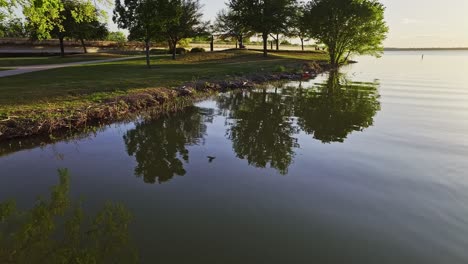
[413, 23]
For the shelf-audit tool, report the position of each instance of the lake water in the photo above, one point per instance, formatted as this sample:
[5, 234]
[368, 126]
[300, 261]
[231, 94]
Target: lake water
[366, 166]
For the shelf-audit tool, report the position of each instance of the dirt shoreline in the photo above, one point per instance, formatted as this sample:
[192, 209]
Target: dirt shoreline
[144, 102]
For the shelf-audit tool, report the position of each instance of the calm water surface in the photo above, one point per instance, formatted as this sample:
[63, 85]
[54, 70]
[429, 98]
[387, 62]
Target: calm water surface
[366, 166]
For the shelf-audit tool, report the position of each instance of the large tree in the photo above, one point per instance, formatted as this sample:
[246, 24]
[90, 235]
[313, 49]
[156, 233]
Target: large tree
[264, 16]
[144, 19]
[59, 18]
[43, 16]
[79, 20]
[348, 27]
[94, 30]
[298, 27]
[187, 23]
[231, 25]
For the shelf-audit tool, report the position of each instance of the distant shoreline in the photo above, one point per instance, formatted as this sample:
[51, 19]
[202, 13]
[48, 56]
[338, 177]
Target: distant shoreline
[418, 49]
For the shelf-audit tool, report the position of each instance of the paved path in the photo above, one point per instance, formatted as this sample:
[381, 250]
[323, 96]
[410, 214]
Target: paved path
[35, 68]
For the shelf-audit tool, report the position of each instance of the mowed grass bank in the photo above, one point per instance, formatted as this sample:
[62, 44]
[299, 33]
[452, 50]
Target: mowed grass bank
[80, 85]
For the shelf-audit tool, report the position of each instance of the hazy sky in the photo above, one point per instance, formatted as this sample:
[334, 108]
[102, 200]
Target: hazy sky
[413, 23]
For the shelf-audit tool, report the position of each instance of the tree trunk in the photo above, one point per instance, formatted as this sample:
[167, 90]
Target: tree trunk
[212, 43]
[236, 44]
[333, 58]
[302, 43]
[83, 45]
[265, 45]
[174, 50]
[62, 48]
[147, 48]
[271, 44]
[241, 41]
[277, 41]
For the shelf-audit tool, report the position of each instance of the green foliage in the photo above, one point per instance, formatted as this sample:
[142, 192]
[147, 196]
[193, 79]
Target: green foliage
[197, 50]
[145, 20]
[79, 19]
[14, 28]
[117, 36]
[187, 24]
[348, 27]
[231, 25]
[43, 16]
[185, 43]
[4, 5]
[57, 231]
[299, 26]
[201, 38]
[265, 16]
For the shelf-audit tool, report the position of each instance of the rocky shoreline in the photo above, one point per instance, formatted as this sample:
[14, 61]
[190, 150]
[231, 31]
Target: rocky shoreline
[142, 102]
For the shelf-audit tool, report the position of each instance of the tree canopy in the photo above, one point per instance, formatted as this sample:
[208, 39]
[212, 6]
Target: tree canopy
[63, 18]
[265, 16]
[348, 27]
[298, 27]
[4, 8]
[187, 23]
[231, 24]
[79, 20]
[144, 19]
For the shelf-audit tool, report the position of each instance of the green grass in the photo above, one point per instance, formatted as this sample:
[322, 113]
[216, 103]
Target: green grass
[78, 85]
[25, 61]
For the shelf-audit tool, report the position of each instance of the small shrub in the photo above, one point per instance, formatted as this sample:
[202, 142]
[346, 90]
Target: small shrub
[179, 51]
[197, 50]
[185, 42]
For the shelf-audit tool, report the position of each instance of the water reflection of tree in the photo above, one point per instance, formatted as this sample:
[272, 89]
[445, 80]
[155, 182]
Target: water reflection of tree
[57, 231]
[261, 123]
[330, 112]
[159, 145]
[261, 128]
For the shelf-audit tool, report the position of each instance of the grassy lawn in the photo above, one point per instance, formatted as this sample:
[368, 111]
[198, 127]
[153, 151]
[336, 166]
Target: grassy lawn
[25, 61]
[79, 85]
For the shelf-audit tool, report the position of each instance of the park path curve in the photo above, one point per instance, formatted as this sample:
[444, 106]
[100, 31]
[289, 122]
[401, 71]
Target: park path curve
[35, 68]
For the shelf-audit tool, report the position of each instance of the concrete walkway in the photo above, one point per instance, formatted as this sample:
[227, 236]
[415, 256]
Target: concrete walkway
[35, 68]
